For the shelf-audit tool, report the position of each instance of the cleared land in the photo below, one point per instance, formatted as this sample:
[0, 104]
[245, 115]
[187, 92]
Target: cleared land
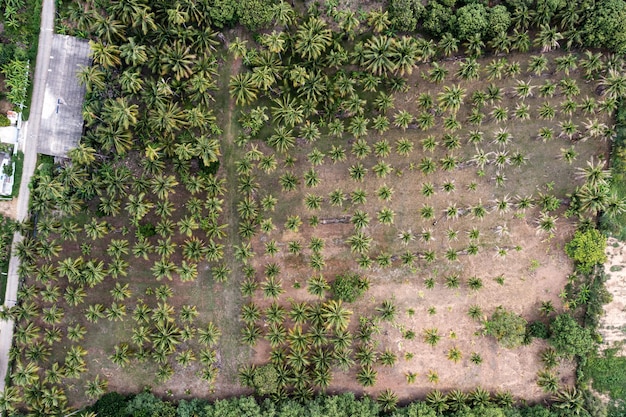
[517, 264]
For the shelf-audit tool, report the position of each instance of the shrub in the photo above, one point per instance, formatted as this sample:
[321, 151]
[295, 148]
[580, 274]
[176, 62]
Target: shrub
[265, 379]
[146, 230]
[111, 404]
[507, 327]
[587, 249]
[349, 287]
[471, 19]
[538, 329]
[404, 14]
[569, 338]
[4, 121]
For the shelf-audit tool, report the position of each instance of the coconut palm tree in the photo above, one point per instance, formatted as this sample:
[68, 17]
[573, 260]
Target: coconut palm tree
[366, 376]
[474, 45]
[468, 69]
[548, 38]
[614, 84]
[451, 97]
[336, 316]
[312, 38]
[436, 399]
[570, 400]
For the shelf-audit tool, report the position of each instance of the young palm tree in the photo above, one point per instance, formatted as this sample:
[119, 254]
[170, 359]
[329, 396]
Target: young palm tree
[388, 400]
[317, 285]
[451, 97]
[548, 38]
[432, 336]
[436, 399]
[366, 376]
[336, 316]
[437, 74]
[387, 310]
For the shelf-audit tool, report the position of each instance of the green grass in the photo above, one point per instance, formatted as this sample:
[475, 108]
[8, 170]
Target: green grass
[608, 374]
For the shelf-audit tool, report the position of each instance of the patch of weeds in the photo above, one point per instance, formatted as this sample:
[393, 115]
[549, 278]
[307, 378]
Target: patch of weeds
[616, 268]
[534, 265]
[410, 377]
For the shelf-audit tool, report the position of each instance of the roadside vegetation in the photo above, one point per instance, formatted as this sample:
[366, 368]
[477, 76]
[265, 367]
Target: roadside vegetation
[324, 202]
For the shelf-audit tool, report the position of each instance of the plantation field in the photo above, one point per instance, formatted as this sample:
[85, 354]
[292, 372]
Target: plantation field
[435, 288]
[330, 211]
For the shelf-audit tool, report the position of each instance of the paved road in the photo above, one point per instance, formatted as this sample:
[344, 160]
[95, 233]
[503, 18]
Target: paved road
[28, 144]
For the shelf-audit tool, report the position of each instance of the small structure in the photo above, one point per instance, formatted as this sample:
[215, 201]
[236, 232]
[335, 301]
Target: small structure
[62, 114]
[12, 116]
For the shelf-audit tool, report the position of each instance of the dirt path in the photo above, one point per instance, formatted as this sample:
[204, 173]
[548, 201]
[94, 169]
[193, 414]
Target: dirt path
[612, 326]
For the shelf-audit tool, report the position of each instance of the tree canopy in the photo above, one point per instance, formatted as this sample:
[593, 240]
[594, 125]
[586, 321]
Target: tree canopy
[587, 249]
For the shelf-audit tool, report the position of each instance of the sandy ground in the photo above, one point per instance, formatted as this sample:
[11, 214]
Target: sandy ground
[9, 208]
[613, 324]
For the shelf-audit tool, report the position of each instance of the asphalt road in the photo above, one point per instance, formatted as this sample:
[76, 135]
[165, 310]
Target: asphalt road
[28, 144]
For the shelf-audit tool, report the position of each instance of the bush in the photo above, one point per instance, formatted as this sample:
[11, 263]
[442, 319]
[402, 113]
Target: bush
[538, 329]
[471, 19]
[438, 19]
[569, 338]
[255, 14]
[507, 327]
[4, 121]
[147, 230]
[404, 14]
[499, 20]
[587, 249]
[265, 379]
[349, 287]
[111, 404]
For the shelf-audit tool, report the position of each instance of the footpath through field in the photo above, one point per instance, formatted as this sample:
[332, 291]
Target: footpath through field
[28, 144]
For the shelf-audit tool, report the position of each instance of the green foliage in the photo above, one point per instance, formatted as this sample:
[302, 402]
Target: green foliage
[608, 374]
[254, 14]
[538, 329]
[111, 404]
[438, 19]
[569, 338]
[404, 14]
[223, 12]
[4, 121]
[146, 230]
[265, 379]
[471, 19]
[6, 237]
[499, 20]
[16, 80]
[349, 287]
[587, 249]
[507, 327]
[146, 404]
[605, 25]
